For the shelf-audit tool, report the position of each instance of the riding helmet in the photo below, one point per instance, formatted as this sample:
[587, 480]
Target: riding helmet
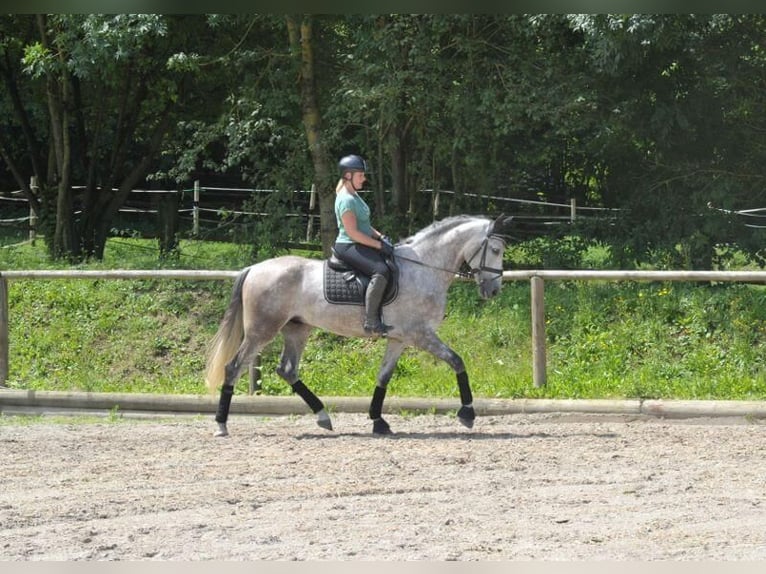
[352, 163]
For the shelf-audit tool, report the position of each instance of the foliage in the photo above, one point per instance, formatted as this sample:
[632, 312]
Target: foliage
[273, 227]
[658, 341]
[677, 111]
[568, 252]
[657, 116]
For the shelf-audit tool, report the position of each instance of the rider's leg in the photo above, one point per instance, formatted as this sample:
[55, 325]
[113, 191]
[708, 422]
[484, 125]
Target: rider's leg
[373, 302]
[370, 262]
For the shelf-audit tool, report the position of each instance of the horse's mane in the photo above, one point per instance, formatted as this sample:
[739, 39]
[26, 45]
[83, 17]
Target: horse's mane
[439, 227]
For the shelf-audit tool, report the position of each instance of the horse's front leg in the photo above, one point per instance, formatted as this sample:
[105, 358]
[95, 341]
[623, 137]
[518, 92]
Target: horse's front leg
[431, 343]
[393, 352]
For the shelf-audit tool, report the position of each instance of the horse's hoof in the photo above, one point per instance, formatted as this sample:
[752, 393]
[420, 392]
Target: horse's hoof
[325, 423]
[380, 426]
[222, 430]
[467, 423]
[466, 416]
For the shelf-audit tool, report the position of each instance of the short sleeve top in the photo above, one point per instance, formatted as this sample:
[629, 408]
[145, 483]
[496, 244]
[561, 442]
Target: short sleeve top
[345, 201]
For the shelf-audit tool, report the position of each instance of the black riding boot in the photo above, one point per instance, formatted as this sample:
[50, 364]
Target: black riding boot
[373, 302]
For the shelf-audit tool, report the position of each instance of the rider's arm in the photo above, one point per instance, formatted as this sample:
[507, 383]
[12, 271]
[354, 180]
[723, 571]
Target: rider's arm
[349, 224]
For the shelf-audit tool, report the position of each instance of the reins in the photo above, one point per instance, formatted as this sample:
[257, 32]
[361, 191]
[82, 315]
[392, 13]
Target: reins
[464, 274]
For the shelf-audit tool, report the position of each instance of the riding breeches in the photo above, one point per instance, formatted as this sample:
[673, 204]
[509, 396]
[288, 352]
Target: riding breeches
[363, 258]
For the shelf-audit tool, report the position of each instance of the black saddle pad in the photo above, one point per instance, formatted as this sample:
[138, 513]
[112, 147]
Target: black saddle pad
[348, 288]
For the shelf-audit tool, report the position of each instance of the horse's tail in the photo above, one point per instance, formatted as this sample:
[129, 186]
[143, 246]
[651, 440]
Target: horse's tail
[227, 340]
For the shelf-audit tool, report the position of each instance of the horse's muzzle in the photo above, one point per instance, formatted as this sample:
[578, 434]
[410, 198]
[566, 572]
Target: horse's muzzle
[488, 289]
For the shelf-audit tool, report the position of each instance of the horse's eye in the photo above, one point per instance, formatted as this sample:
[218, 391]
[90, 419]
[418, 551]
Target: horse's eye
[495, 250]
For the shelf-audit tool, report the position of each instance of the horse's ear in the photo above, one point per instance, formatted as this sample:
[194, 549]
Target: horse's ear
[498, 226]
[495, 227]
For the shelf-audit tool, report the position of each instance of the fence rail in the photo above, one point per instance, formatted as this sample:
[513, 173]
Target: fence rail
[536, 278]
[194, 203]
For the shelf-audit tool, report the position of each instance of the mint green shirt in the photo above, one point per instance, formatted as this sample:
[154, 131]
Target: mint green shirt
[345, 201]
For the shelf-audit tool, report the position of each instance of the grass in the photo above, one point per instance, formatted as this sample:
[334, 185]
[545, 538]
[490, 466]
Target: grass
[605, 340]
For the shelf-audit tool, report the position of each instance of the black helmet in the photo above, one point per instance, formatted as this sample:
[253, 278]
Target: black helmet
[352, 163]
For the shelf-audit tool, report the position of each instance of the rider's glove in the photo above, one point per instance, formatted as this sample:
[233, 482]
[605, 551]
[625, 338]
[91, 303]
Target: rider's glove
[386, 246]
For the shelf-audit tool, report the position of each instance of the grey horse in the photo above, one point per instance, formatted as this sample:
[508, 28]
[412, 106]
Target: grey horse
[285, 294]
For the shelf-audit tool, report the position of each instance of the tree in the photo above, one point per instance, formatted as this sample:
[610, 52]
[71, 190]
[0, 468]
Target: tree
[19, 138]
[656, 115]
[678, 93]
[488, 105]
[270, 129]
[114, 87]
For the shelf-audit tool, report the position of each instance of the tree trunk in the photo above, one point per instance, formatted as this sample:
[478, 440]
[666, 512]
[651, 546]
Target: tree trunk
[97, 221]
[398, 150]
[380, 200]
[33, 145]
[302, 48]
[167, 221]
[64, 242]
[397, 177]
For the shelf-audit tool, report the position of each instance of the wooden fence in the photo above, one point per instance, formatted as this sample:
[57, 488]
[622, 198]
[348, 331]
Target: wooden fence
[206, 205]
[536, 278]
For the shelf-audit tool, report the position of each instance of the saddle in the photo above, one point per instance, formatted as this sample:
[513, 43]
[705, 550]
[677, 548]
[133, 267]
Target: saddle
[344, 285]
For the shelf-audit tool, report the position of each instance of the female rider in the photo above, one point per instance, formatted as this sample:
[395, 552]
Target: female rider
[358, 243]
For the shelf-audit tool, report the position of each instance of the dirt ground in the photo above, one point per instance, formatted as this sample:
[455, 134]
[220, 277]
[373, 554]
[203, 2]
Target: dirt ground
[540, 487]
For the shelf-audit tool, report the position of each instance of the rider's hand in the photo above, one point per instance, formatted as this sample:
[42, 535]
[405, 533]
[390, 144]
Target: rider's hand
[386, 246]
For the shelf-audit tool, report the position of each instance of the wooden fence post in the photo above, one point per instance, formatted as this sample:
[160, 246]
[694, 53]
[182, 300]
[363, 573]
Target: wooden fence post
[195, 209]
[32, 214]
[312, 204]
[3, 331]
[539, 375]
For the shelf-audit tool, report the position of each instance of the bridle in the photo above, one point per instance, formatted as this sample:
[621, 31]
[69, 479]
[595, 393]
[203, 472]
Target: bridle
[483, 261]
[474, 271]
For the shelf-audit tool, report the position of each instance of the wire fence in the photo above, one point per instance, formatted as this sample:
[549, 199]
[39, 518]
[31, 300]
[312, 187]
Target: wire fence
[202, 210]
[211, 212]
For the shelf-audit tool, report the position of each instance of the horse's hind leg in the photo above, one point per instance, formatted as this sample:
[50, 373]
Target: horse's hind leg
[393, 352]
[251, 345]
[295, 337]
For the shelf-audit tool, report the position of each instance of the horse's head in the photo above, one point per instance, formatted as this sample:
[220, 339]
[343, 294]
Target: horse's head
[486, 261]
